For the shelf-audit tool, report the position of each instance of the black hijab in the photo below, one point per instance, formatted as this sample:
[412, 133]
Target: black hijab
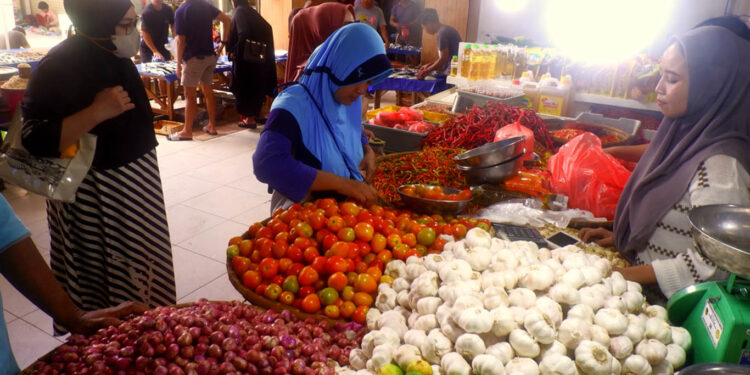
[71, 75]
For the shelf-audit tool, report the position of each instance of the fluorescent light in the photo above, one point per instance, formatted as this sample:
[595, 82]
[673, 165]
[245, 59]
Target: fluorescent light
[605, 31]
[511, 6]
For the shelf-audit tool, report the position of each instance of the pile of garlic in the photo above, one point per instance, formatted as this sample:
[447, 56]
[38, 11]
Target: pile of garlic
[489, 306]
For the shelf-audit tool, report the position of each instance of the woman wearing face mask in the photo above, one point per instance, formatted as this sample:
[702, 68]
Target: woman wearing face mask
[313, 143]
[698, 157]
[112, 244]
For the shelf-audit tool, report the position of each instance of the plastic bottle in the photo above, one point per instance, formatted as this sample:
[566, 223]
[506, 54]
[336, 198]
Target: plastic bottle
[489, 62]
[465, 67]
[476, 63]
[553, 97]
[530, 89]
[454, 66]
[499, 60]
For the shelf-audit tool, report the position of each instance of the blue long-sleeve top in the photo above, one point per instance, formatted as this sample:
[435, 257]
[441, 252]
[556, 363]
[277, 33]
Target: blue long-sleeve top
[281, 159]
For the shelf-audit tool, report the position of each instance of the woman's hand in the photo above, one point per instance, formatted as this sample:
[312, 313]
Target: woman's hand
[601, 236]
[111, 102]
[89, 322]
[367, 166]
[359, 191]
[641, 274]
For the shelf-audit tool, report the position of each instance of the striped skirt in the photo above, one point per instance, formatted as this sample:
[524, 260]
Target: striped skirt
[112, 244]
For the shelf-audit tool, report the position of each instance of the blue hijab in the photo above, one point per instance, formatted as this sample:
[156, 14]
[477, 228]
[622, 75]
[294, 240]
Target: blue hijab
[330, 130]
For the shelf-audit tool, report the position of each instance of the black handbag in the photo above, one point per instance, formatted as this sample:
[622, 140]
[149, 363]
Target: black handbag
[254, 51]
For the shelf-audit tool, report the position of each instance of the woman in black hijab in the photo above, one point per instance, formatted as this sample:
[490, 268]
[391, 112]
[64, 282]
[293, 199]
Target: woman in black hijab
[254, 64]
[112, 244]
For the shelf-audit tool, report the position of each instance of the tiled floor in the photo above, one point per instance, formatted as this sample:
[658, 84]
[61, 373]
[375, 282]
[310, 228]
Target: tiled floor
[211, 195]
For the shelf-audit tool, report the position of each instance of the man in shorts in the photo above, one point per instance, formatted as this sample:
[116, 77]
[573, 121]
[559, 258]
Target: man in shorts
[196, 59]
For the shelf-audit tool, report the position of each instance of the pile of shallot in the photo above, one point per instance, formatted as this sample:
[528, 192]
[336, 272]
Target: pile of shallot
[208, 338]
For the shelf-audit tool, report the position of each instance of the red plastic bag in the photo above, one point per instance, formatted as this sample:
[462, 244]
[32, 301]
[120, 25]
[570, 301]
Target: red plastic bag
[592, 179]
[517, 130]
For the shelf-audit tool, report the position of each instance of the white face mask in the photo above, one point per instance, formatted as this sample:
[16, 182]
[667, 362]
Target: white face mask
[127, 45]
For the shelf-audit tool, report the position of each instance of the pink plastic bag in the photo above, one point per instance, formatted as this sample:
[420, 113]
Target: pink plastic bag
[592, 179]
[517, 130]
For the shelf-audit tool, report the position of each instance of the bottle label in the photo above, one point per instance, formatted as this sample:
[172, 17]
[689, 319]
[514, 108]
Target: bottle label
[551, 105]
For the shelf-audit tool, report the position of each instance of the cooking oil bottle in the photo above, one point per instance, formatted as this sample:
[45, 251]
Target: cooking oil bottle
[553, 96]
[464, 69]
[454, 66]
[476, 63]
[499, 60]
[530, 89]
[490, 56]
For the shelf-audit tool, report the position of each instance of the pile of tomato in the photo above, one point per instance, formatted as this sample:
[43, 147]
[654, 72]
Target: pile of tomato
[329, 257]
[435, 193]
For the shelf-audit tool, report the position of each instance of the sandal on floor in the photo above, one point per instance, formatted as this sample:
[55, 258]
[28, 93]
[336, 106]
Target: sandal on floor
[205, 130]
[177, 137]
[243, 124]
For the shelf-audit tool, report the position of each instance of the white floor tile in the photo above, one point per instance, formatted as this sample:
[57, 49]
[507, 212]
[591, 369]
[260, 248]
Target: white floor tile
[29, 343]
[252, 185]
[255, 214]
[212, 243]
[8, 316]
[183, 161]
[185, 222]
[13, 300]
[167, 147]
[41, 320]
[223, 149]
[220, 289]
[192, 271]
[13, 192]
[226, 171]
[30, 208]
[226, 202]
[178, 189]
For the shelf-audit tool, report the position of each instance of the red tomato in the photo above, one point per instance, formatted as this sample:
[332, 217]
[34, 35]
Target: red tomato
[326, 202]
[245, 247]
[347, 309]
[364, 247]
[346, 234]
[375, 272]
[305, 291]
[253, 230]
[307, 276]
[399, 252]
[332, 211]
[335, 223]
[311, 303]
[282, 236]
[261, 288]
[319, 235]
[278, 226]
[295, 253]
[459, 231]
[350, 208]
[329, 240]
[365, 283]
[278, 279]
[409, 239]
[351, 265]
[336, 264]
[350, 220]
[240, 264]
[310, 254]
[319, 264]
[340, 248]
[317, 220]
[361, 267]
[304, 229]
[278, 250]
[264, 232]
[269, 267]
[288, 215]
[294, 269]
[264, 246]
[369, 258]
[413, 252]
[302, 242]
[364, 231]
[272, 291]
[394, 240]
[385, 256]
[337, 281]
[354, 251]
[286, 298]
[284, 264]
[251, 279]
[364, 216]
[360, 314]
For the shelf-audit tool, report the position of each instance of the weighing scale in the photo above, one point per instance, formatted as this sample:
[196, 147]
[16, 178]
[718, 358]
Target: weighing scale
[717, 313]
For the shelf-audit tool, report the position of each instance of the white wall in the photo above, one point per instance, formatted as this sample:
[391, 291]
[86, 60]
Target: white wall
[529, 21]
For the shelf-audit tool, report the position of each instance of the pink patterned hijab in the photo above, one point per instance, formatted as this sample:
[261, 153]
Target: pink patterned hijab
[717, 122]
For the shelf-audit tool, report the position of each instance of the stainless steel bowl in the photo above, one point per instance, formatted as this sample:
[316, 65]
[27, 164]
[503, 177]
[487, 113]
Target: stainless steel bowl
[722, 234]
[493, 174]
[716, 368]
[492, 153]
[433, 206]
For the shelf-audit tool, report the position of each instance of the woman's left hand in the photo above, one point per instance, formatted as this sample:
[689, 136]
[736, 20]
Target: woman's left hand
[90, 321]
[367, 166]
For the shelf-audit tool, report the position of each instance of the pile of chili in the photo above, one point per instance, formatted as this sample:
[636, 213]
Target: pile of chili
[431, 166]
[478, 126]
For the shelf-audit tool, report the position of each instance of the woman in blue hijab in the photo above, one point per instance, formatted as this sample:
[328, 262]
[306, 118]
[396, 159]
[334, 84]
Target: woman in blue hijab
[313, 144]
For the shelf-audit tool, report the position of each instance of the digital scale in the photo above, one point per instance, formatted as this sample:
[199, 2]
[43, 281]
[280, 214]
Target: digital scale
[717, 313]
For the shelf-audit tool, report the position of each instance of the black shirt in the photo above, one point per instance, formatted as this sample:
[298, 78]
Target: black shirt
[156, 23]
[448, 38]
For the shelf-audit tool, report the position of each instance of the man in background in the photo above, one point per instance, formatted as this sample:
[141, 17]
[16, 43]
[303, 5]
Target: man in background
[156, 21]
[16, 38]
[372, 15]
[196, 59]
[448, 39]
[46, 18]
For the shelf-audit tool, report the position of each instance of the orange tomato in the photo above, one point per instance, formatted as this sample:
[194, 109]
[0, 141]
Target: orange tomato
[251, 279]
[235, 241]
[240, 264]
[378, 243]
[409, 239]
[311, 303]
[393, 240]
[400, 251]
[347, 293]
[351, 277]
[332, 311]
[365, 283]
[375, 272]
[362, 299]
[347, 309]
[384, 256]
[307, 276]
[253, 230]
[338, 281]
[335, 223]
[360, 314]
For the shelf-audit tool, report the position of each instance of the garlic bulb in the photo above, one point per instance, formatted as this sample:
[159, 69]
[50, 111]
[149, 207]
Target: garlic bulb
[583, 312]
[493, 297]
[414, 270]
[519, 314]
[403, 299]
[540, 327]
[656, 311]
[434, 261]
[475, 320]
[536, 277]
[612, 320]
[470, 345]
[675, 355]
[618, 283]
[450, 329]
[454, 364]
[599, 334]
[522, 297]
[653, 350]
[477, 237]
[593, 358]
[478, 258]
[443, 311]
[435, 347]
[504, 260]
[664, 368]
[681, 337]
[615, 303]
[658, 329]
[616, 367]
[620, 347]
[503, 321]
[415, 337]
[555, 348]
[591, 275]
[575, 261]
[428, 305]
[592, 297]
[636, 328]
[572, 331]
[455, 270]
[485, 364]
[636, 365]
[425, 323]
[564, 294]
[573, 277]
[464, 303]
[502, 351]
[357, 359]
[634, 287]
[522, 366]
[386, 300]
[405, 354]
[400, 284]
[523, 344]
[381, 356]
[551, 309]
[557, 364]
[633, 300]
[371, 319]
[395, 269]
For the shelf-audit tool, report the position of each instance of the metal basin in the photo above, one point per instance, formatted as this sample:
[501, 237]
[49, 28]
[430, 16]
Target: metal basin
[491, 154]
[433, 206]
[722, 234]
[716, 368]
[492, 175]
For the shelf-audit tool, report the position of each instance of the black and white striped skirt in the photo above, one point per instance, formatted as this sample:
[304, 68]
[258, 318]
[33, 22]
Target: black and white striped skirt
[112, 244]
